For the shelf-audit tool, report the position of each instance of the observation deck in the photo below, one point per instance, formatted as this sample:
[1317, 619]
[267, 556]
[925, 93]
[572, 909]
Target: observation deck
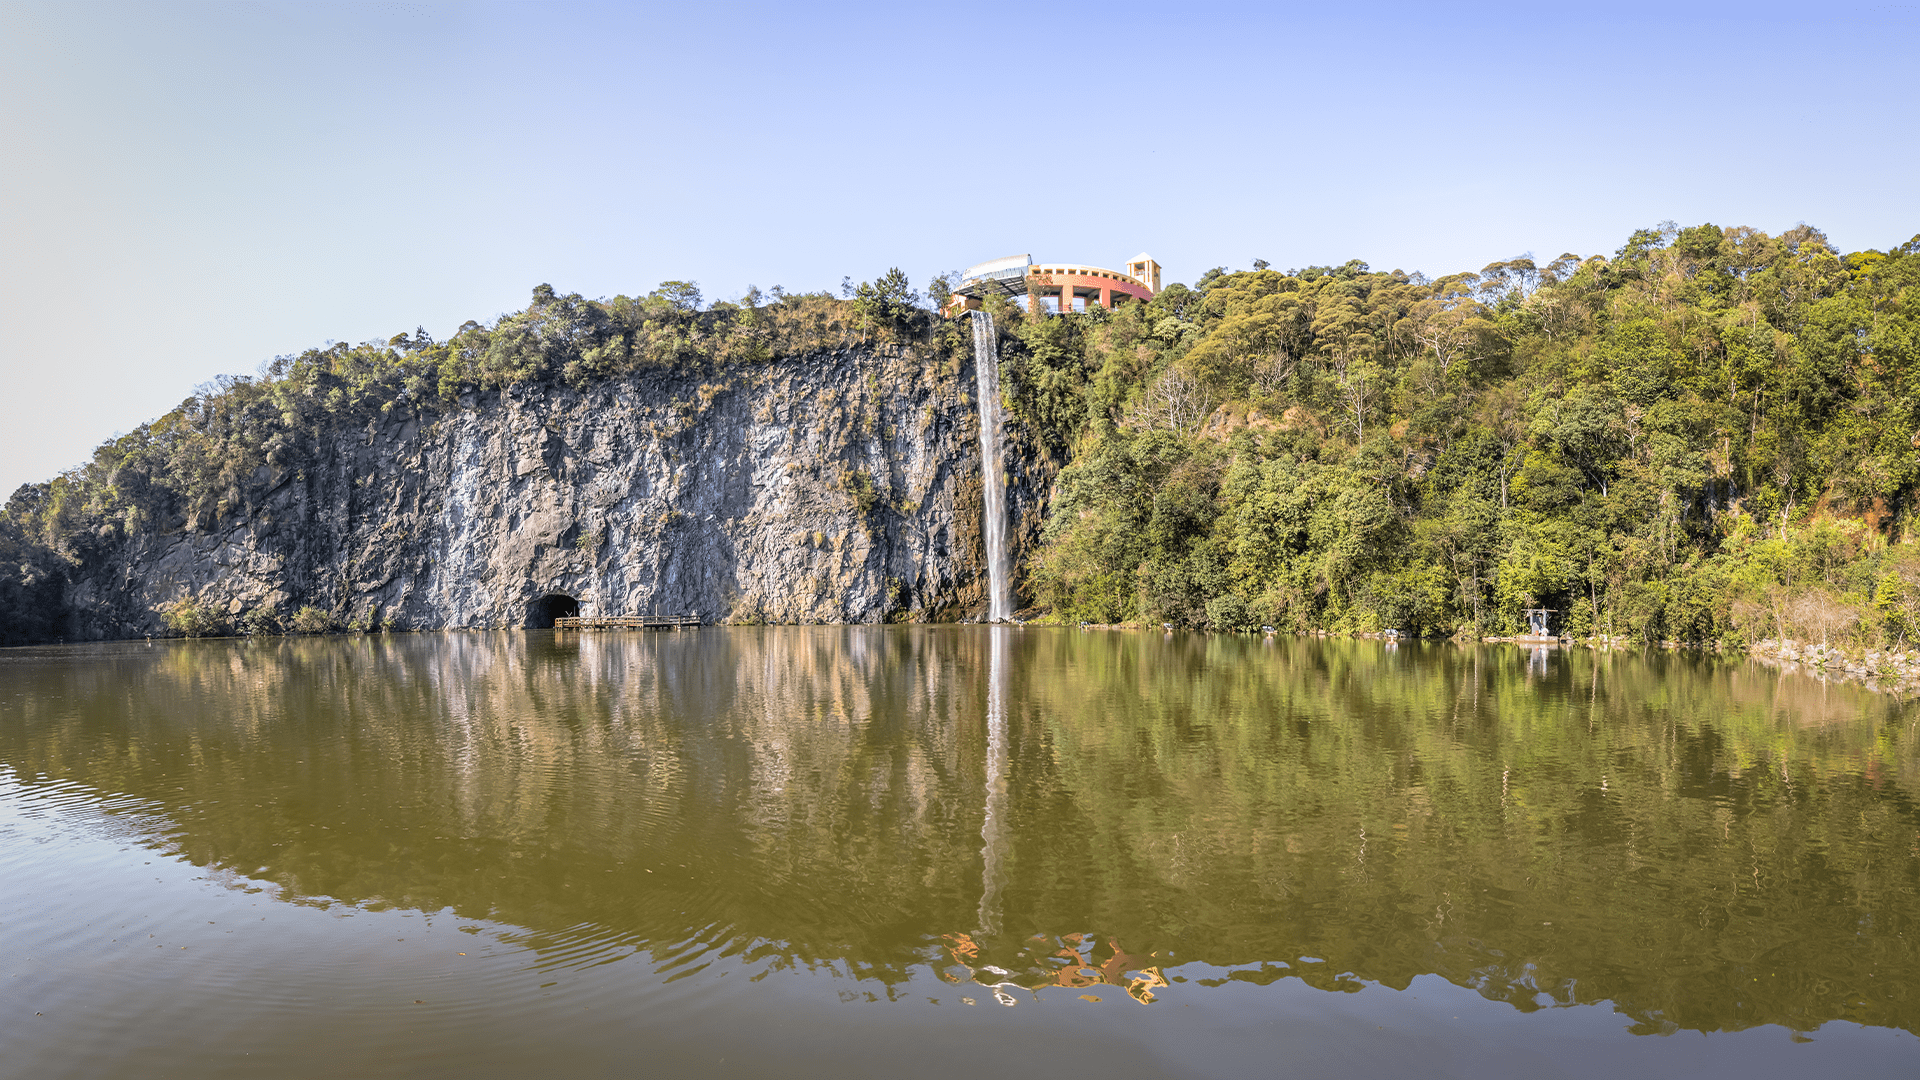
[1060, 287]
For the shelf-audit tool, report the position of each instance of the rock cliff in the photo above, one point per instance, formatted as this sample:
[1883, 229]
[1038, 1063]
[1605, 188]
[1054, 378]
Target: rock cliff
[838, 486]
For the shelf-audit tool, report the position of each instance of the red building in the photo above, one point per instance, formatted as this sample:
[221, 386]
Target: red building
[1058, 286]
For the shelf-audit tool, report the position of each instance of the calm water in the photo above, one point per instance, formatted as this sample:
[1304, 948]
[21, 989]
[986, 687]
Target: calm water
[949, 851]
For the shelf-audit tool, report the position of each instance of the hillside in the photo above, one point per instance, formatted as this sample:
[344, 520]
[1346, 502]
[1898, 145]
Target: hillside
[807, 460]
[1708, 435]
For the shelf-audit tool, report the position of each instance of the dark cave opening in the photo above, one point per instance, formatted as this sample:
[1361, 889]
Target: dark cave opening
[542, 613]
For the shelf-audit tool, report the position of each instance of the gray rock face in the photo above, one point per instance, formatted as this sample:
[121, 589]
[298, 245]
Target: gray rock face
[834, 487]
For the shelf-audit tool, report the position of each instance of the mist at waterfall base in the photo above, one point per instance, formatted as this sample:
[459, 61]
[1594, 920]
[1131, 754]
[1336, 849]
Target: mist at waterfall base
[947, 851]
[993, 484]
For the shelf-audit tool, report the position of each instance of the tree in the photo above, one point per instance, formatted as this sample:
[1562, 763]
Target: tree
[680, 295]
[1452, 327]
[1175, 401]
[889, 301]
[1358, 380]
[940, 289]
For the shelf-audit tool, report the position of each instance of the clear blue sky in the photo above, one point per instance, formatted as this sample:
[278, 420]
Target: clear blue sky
[188, 189]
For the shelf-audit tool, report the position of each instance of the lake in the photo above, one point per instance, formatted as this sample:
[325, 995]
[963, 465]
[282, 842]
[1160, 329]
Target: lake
[948, 851]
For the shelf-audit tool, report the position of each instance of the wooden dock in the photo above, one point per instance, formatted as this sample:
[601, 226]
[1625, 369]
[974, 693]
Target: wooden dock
[626, 622]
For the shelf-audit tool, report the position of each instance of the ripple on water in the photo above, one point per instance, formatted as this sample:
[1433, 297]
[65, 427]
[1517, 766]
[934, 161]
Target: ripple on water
[385, 853]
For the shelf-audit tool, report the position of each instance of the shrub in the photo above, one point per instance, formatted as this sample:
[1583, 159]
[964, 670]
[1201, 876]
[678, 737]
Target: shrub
[188, 617]
[859, 486]
[1230, 613]
[312, 620]
[264, 619]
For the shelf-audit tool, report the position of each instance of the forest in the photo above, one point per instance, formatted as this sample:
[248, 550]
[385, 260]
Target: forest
[1708, 436]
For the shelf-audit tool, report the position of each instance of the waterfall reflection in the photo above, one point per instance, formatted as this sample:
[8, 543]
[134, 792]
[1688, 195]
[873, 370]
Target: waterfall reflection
[993, 830]
[1648, 830]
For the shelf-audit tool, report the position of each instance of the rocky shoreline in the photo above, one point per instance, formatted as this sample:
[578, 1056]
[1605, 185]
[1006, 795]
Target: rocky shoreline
[1890, 671]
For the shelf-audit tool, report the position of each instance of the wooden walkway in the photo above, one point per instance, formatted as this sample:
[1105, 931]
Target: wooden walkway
[626, 622]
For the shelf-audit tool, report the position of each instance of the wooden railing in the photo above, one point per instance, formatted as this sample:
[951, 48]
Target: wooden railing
[626, 622]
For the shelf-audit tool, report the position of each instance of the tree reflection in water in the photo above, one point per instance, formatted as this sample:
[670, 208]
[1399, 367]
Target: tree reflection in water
[1706, 845]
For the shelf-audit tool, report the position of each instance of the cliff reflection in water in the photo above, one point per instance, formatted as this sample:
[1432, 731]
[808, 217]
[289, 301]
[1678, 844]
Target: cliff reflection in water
[1707, 845]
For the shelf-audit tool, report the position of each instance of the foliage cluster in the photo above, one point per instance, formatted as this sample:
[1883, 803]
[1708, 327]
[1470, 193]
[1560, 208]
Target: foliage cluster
[261, 621]
[1708, 436]
[313, 620]
[31, 580]
[188, 617]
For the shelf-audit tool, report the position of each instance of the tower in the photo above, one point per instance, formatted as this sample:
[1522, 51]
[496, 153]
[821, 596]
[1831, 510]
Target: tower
[1143, 268]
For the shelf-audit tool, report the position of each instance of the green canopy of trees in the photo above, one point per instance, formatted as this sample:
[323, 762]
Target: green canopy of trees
[1708, 436]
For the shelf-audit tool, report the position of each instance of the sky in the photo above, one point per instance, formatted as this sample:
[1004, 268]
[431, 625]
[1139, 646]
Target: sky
[187, 190]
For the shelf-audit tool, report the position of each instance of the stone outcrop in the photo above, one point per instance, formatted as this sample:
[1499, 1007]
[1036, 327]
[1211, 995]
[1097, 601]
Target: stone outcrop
[833, 487]
[1891, 670]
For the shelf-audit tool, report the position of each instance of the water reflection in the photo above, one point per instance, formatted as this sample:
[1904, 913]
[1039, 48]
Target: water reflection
[1537, 662]
[993, 832]
[1708, 846]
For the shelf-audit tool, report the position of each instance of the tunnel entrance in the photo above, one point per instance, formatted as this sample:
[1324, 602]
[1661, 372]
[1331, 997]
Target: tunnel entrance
[552, 606]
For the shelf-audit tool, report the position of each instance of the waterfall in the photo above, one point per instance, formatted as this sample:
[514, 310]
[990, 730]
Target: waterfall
[986, 374]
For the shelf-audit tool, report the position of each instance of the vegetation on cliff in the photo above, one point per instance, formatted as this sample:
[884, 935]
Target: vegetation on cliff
[1707, 436]
[31, 580]
[217, 453]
